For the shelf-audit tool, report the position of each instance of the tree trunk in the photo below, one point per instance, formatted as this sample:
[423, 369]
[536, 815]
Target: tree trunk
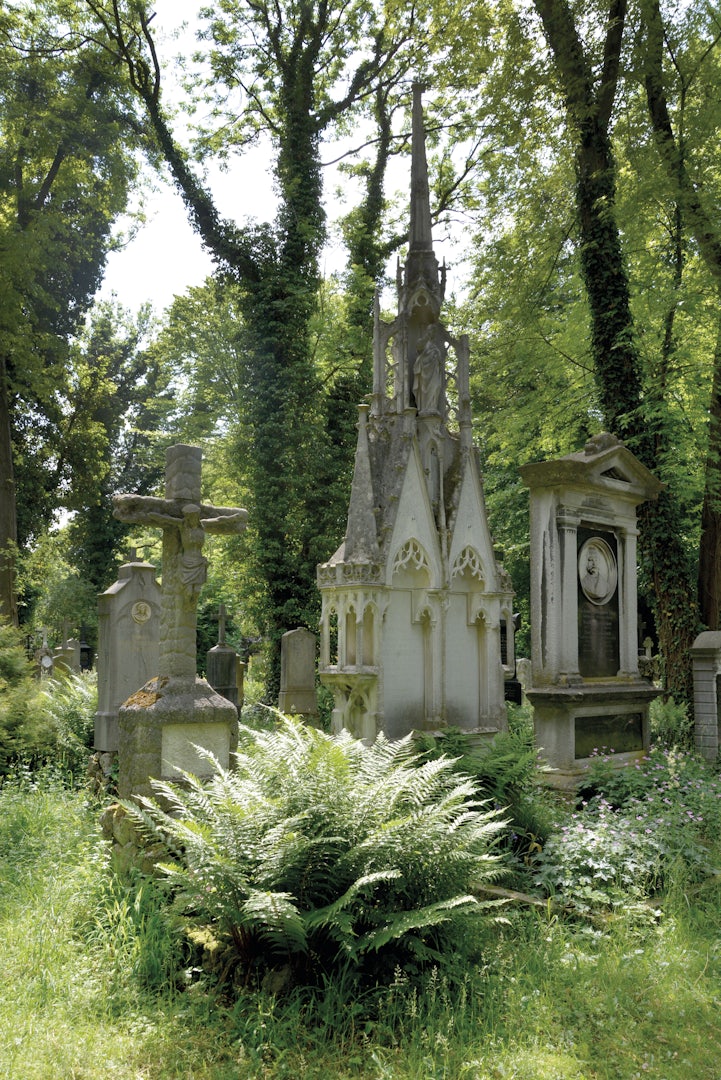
[709, 573]
[8, 510]
[708, 238]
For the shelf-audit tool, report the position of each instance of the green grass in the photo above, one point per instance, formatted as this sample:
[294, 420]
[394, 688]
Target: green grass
[93, 984]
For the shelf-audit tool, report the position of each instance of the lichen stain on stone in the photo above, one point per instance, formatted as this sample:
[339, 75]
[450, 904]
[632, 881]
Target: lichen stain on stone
[142, 698]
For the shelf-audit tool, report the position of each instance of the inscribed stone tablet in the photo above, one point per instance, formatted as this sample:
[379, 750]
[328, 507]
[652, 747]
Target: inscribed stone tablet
[620, 732]
[179, 747]
[598, 634]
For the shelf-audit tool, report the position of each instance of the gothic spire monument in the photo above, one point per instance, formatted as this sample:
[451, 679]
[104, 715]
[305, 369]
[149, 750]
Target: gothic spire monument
[416, 624]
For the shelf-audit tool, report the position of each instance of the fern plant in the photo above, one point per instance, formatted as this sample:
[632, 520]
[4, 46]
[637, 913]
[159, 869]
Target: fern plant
[319, 852]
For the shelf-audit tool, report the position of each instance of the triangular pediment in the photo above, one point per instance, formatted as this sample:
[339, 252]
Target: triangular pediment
[605, 465]
[414, 519]
[470, 527]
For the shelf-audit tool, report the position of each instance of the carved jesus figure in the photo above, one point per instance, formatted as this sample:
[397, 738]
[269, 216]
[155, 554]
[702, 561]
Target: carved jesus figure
[184, 521]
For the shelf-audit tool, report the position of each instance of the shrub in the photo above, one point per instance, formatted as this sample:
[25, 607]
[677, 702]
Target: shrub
[22, 730]
[326, 855]
[42, 721]
[70, 704]
[507, 773]
[670, 724]
[642, 824]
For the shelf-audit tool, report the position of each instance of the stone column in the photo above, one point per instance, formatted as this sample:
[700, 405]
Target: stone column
[627, 611]
[568, 656]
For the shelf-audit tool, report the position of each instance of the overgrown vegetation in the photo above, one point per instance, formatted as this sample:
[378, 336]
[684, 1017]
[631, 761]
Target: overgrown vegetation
[42, 721]
[589, 991]
[326, 856]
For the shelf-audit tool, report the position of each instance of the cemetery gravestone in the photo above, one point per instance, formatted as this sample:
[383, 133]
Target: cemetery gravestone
[222, 664]
[706, 660]
[297, 673]
[67, 655]
[44, 657]
[128, 645]
[587, 690]
[164, 723]
[415, 602]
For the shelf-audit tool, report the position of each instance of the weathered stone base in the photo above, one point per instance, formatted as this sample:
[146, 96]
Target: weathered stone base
[130, 851]
[162, 724]
[574, 724]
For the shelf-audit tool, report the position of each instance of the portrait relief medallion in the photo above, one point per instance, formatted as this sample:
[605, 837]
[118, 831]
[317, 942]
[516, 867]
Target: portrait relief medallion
[597, 571]
[141, 611]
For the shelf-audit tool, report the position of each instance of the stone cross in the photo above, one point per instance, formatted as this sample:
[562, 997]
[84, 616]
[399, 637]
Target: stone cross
[184, 521]
[221, 624]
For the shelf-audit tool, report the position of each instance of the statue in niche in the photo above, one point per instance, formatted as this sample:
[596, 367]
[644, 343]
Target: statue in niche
[428, 372]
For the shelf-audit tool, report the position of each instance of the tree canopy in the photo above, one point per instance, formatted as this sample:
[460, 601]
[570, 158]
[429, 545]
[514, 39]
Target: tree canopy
[574, 156]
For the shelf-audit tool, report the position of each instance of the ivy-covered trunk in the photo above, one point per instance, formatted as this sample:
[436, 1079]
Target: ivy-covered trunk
[709, 574]
[8, 516]
[613, 344]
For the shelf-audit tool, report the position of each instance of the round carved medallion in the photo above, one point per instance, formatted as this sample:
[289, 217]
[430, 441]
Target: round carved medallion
[597, 571]
[141, 611]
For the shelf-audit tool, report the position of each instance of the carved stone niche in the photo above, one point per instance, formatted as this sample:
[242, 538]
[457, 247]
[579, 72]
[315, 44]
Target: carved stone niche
[586, 689]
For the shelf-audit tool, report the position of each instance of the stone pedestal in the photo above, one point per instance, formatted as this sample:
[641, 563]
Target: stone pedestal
[586, 689]
[163, 724]
[706, 659]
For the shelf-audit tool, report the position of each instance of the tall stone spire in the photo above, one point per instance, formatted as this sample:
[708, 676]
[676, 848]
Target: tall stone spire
[421, 235]
[421, 265]
[421, 292]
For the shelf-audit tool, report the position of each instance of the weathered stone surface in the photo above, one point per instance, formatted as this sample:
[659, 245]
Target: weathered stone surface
[297, 673]
[584, 626]
[176, 698]
[128, 645]
[414, 598]
[706, 660]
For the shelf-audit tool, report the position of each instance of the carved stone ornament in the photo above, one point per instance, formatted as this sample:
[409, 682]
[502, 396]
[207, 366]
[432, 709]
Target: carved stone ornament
[597, 571]
[141, 611]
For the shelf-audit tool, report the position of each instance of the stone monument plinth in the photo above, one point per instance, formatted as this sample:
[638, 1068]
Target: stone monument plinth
[163, 725]
[586, 689]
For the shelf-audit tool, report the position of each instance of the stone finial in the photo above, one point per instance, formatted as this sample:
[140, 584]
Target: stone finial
[598, 443]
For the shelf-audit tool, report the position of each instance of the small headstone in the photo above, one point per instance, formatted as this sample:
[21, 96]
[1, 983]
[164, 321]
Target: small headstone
[297, 673]
[163, 725]
[67, 656]
[222, 664]
[128, 645]
[44, 657]
[523, 671]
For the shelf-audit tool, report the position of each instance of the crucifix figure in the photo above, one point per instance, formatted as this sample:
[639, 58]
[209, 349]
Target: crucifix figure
[184, 521]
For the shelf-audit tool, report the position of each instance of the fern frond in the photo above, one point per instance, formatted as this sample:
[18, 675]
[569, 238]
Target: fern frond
[276, 920]
[431, 915]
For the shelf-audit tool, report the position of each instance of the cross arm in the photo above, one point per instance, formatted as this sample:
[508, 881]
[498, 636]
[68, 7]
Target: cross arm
[223, 519]
[146, 510]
